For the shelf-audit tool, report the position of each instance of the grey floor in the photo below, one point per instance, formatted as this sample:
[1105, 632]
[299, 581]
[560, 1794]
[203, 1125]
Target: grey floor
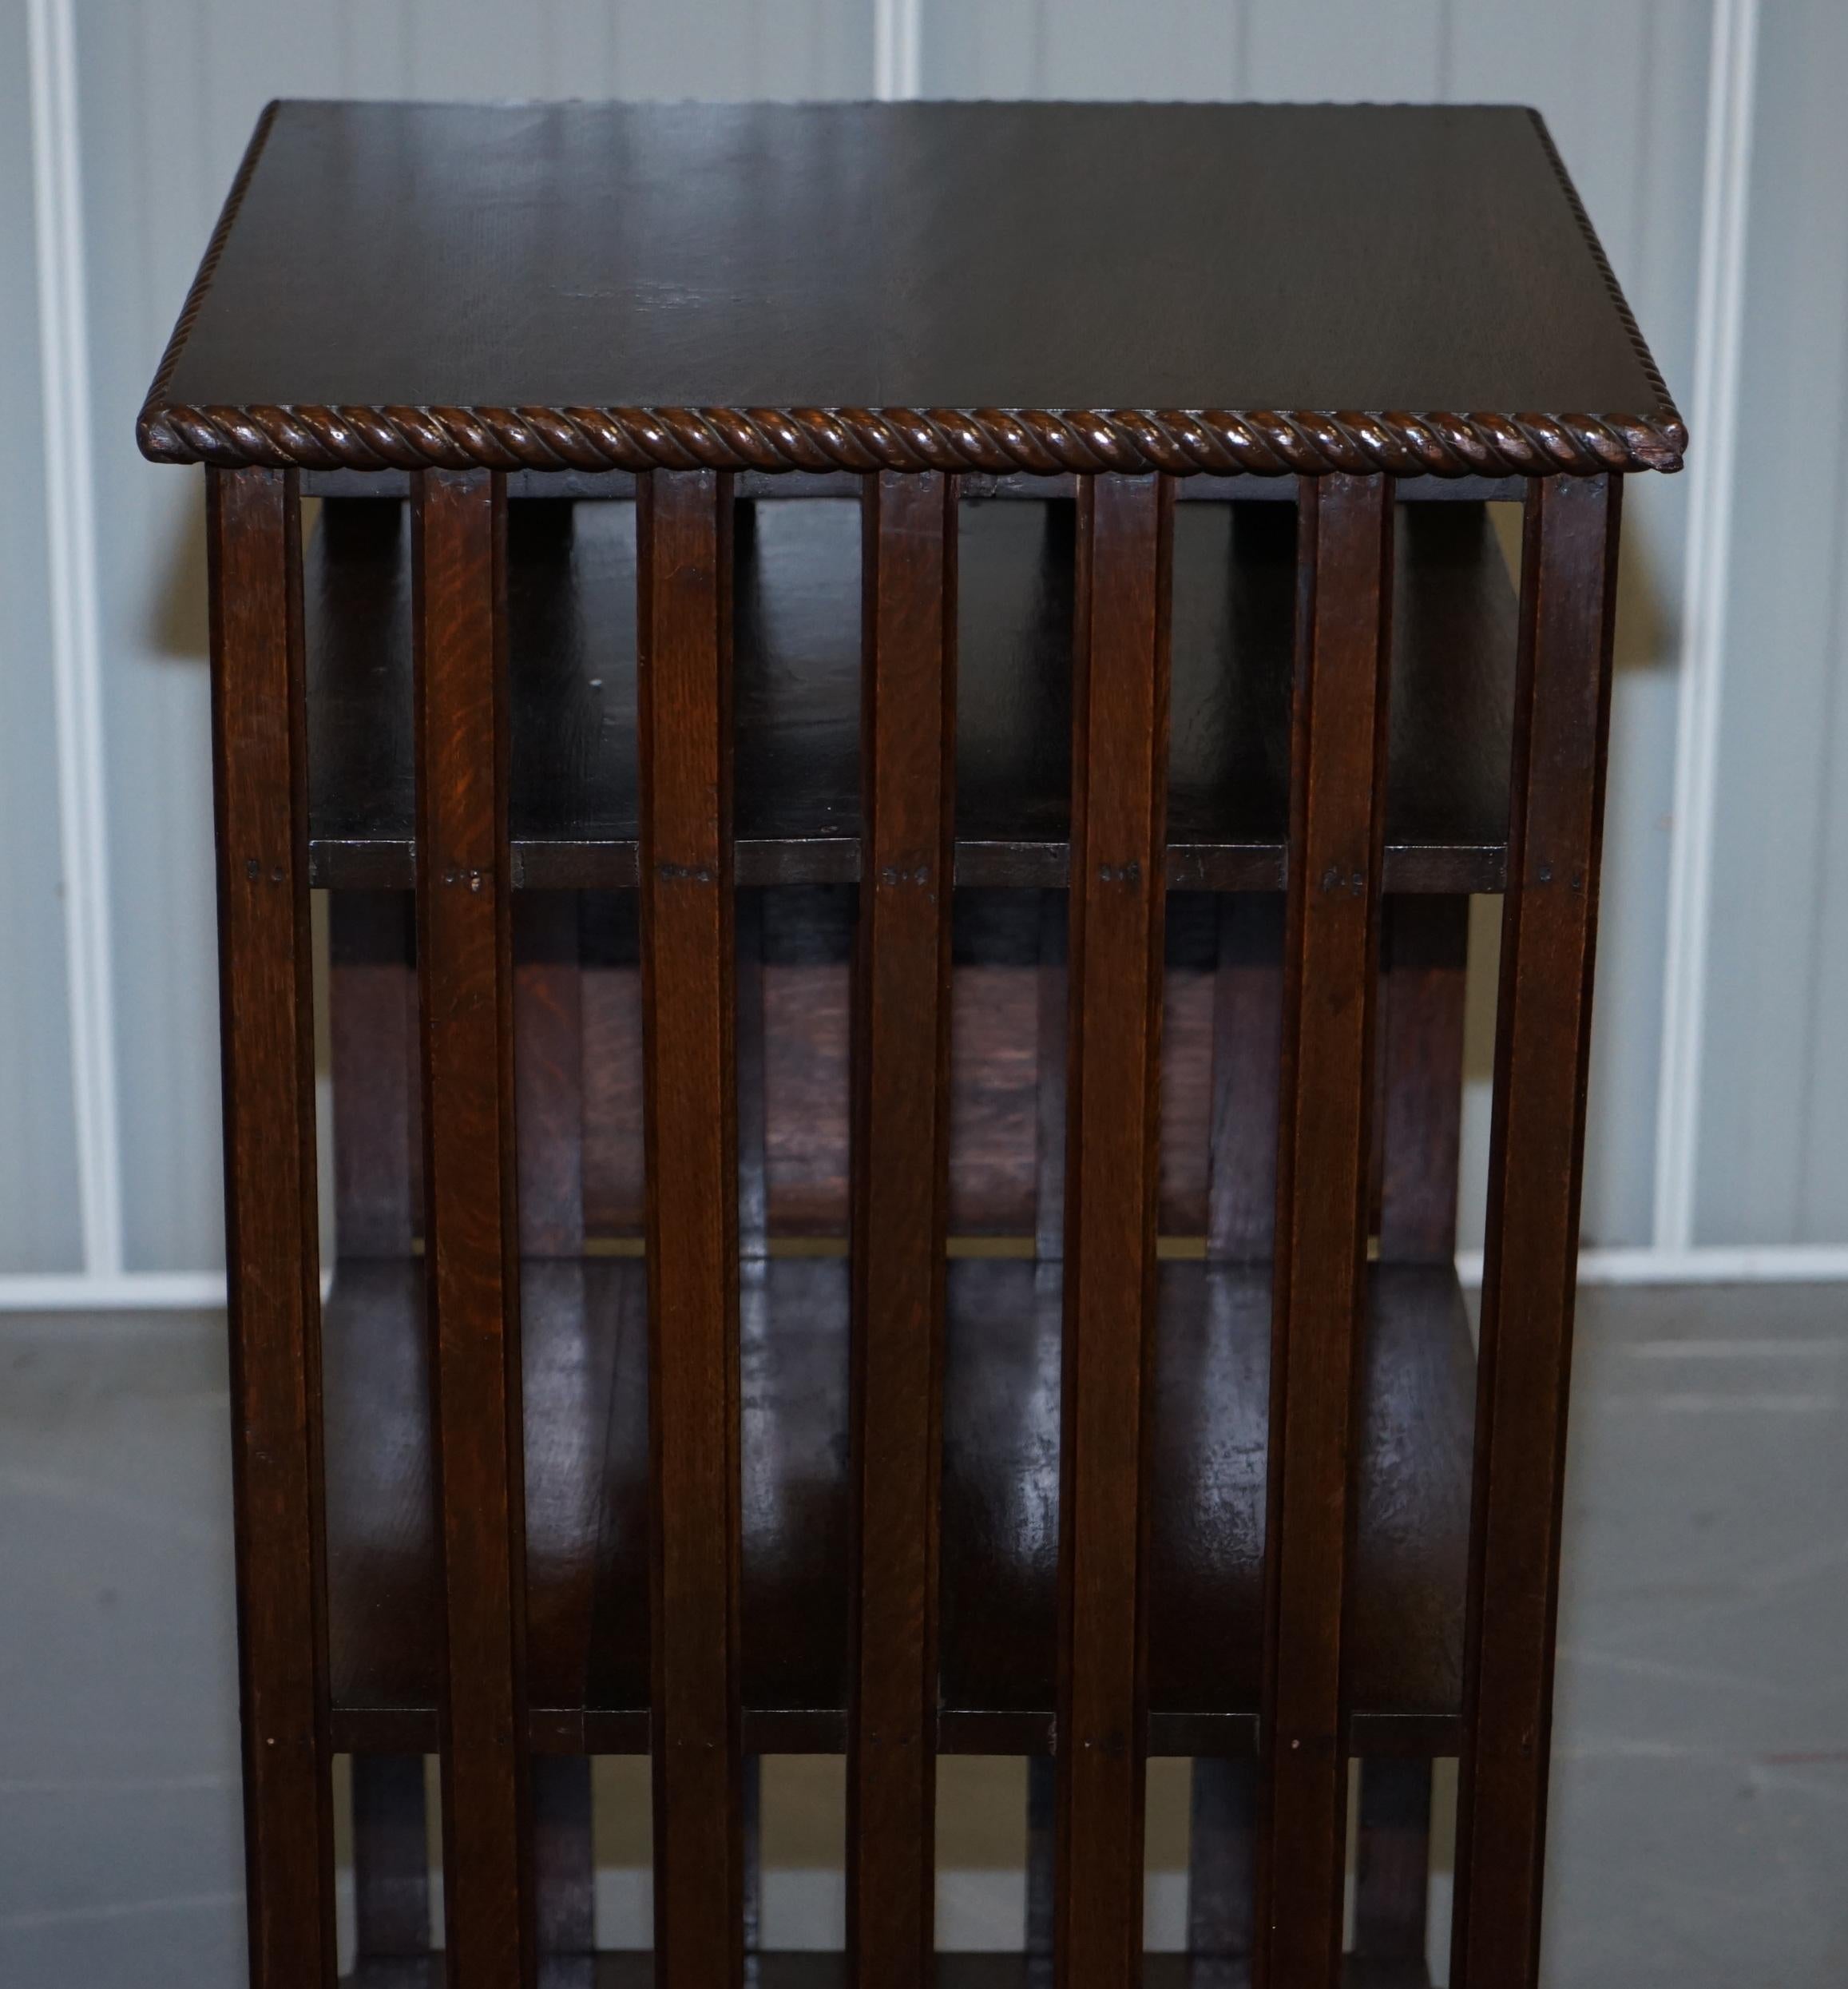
[1700, 1812]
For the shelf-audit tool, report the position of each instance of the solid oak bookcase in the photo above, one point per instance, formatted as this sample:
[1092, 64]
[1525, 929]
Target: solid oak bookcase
[899, 708]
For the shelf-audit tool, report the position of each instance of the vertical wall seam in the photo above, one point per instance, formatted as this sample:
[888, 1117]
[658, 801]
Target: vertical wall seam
[76, 658]
[897, 49]
[1713, 426]
[1805, 1220]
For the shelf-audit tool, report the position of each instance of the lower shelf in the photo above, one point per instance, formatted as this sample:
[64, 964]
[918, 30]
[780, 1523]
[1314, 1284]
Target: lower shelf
[829, 1972]
[585, 1348]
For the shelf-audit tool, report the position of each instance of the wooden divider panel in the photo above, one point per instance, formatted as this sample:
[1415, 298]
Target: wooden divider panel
[259, 725]
[1331, 964]
[1427, 946]
[901, 1164]
[1536, 1151]
[690, 1114]
[471, 1231]
[1120, 779]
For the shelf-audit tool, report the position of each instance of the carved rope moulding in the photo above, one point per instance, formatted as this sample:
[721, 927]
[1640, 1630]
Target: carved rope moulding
[1181, 441]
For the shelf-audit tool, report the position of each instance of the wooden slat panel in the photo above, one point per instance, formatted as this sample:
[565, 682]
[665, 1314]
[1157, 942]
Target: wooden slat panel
[266, 995]
[465, 982]
[1222, 1859]
[1331, 966]
[390, 1856]
[1119, 768]
[1537, 1152]
[1247, 1036]
[372, 1002]
[549, 1072]
[564, 1861]
[901, 1195]
[685, 689]
[1427, 946]
[1393, 1864]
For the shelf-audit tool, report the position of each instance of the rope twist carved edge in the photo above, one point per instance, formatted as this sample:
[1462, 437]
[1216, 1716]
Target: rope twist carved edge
[1181, 441]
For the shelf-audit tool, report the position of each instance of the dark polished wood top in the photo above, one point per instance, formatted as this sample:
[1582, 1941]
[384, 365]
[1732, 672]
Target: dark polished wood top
[1001, 287]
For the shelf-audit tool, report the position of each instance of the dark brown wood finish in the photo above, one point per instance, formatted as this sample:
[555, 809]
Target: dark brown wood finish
[466, 987]
[1119, 796]
[1427, 945]
[999, 1634]
[1537, 1152]
[1331, 945]
[372, 1025]
[901, 1197]
[390, 1857]
[660, 285]
[572, 598]
[1392, 1867]
[685, 730]
[266, 996]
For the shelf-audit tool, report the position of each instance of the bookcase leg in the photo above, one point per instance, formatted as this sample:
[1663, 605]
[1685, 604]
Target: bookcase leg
[1117, 907]
[1331, 966]
[260, 769]
[1536, 1159]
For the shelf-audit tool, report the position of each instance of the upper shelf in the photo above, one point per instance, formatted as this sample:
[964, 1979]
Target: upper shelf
[572, 614]
[996, 286]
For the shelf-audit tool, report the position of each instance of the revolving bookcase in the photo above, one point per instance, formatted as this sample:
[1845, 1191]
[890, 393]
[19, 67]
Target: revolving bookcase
[898, 731]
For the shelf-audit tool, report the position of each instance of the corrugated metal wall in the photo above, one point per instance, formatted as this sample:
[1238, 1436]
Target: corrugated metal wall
[163, 100]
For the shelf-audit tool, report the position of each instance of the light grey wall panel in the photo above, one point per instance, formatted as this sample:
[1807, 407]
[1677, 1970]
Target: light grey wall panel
[1344, 50]
[1623, 93]
[1774, 1144]
[40, 1227]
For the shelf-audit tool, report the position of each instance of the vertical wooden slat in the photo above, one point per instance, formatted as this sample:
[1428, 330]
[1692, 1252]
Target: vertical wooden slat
[466, 980]
[684, 695]
[901, 1179]
[1119, 784]
[260, 769]
[1331, 966]
[1536, 1151]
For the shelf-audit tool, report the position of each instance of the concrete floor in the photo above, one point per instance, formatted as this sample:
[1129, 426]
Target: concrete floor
[1701, 1810]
